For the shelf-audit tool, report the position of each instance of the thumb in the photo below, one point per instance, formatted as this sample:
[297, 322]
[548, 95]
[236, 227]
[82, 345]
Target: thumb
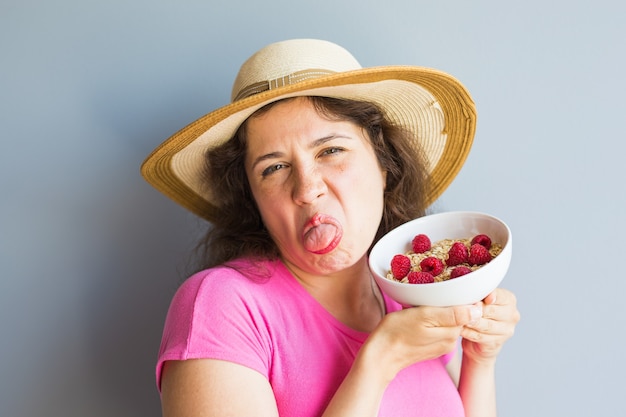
[461, 315]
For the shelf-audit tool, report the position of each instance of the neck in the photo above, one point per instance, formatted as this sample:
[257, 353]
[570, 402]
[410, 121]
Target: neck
[351, 295]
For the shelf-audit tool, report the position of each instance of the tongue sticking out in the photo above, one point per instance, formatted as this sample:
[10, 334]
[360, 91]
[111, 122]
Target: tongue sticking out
[324, 236]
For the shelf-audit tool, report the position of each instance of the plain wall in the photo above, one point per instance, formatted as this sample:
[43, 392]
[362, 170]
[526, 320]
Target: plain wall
[90, 254]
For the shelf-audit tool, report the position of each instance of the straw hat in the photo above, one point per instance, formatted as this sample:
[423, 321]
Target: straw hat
[430, 103]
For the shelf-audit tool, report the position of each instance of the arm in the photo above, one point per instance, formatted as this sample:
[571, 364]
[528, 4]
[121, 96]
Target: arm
[454, 367]
[208, 387]
[402, 339]
[482, 341]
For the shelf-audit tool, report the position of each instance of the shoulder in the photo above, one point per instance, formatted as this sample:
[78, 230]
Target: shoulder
[241, 282]
[231, 302]
[224, 313]
[241, 273]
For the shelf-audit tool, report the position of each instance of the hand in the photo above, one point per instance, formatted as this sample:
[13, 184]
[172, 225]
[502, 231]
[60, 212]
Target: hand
[483, 339]
[418, 333]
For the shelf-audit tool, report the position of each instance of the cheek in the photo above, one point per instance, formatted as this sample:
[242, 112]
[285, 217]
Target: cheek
[271, 204]
[269, 193]
[264, 202]
[370, 189]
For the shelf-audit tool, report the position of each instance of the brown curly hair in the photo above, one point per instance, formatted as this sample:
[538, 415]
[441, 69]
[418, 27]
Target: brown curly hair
[239, 230]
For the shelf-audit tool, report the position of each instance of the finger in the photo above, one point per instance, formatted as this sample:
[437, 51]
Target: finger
[452, 316]
[500, 296]
[491, 298]
[487, 326]
[484, 342]
[501, 312]
[488, 330]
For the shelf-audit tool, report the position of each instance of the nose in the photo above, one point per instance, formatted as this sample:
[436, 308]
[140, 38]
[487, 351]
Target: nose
[308, 185]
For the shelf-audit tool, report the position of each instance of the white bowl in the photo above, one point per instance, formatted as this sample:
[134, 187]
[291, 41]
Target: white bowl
[466, 289]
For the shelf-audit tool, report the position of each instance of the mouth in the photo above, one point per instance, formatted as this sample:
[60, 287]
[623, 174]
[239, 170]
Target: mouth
[322, 234]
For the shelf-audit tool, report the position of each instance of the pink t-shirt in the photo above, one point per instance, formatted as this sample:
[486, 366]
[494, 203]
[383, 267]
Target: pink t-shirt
[261, 317]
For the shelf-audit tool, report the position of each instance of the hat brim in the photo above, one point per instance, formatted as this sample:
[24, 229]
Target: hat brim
[430, 103]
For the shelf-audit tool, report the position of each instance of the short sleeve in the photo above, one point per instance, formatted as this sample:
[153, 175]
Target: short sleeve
[214, 315]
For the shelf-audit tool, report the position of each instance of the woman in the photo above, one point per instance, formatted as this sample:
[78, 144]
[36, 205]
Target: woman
[311, 163]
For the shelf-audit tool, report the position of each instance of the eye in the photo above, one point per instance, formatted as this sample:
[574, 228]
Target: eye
[332, 150]
[272, 169]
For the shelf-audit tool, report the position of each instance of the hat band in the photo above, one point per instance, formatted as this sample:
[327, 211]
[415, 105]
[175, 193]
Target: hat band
[288, 79]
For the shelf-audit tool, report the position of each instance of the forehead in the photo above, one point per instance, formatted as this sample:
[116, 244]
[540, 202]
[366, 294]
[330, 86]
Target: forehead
[290, 119]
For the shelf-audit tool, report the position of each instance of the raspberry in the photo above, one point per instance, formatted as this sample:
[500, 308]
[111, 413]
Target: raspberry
[478, 254]
[420, 243]
[457, 254]
[432, 265]
[483, 240]
[400, 266]
[420, 277]
[459, 271]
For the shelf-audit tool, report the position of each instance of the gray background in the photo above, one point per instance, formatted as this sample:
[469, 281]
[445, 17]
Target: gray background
[90, 254]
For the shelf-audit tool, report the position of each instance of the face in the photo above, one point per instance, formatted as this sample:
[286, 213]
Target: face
[318, 186]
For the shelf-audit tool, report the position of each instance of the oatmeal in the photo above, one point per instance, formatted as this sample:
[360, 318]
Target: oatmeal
[442, 260]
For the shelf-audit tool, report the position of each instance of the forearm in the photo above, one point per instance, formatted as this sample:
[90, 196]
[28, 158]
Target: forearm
[361, 392]
[477, 387]
[403, 338]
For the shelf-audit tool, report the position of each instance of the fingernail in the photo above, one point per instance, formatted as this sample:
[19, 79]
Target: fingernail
[476, 313]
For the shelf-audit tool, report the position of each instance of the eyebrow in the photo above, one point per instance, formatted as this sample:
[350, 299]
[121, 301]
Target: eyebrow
[316, 143]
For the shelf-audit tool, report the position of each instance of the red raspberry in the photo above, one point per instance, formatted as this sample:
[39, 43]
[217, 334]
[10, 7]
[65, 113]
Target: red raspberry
[420, 243]
[482, 240]
[457, 254]
[420, 277]
[459, 271]
[400, 266]
[433, 265]
[478, 254]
